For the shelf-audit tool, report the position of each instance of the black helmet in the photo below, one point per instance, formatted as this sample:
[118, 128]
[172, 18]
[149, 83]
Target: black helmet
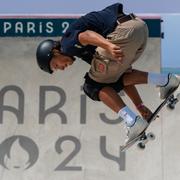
[44, 53]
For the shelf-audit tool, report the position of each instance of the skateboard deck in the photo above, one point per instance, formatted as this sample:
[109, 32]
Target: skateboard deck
[143, 138]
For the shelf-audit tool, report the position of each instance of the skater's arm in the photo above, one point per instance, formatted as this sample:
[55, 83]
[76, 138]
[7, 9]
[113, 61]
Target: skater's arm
[92, 38]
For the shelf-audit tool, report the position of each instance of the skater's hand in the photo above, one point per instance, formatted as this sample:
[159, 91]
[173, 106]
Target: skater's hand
[116, 53]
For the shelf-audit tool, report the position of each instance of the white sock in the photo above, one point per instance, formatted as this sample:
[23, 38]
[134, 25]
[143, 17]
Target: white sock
[128, 115]
[157, 79]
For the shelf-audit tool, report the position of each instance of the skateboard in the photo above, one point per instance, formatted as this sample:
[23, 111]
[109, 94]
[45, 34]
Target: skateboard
[142, 139]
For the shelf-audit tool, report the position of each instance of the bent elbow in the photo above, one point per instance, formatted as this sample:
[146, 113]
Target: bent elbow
[83, 37]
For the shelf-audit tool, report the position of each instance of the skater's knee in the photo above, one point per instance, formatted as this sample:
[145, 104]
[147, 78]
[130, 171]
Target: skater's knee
[105, 92]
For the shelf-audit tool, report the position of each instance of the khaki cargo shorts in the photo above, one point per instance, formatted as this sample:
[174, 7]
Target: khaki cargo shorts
[131, 36]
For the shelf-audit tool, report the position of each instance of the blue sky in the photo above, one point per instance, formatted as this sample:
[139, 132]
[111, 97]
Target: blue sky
[171, 24]
[83, 6]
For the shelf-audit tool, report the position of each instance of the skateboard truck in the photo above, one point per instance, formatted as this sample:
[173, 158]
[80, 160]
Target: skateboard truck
[145, 139]
[173, 101]
[142, 139]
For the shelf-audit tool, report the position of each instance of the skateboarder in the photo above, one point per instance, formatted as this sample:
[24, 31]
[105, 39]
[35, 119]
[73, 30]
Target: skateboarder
[110, 41]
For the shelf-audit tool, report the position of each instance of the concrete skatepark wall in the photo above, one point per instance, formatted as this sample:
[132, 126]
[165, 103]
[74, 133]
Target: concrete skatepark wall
[50, 130]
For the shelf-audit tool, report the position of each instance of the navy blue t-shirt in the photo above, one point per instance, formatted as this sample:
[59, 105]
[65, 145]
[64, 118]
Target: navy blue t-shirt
[103, 22]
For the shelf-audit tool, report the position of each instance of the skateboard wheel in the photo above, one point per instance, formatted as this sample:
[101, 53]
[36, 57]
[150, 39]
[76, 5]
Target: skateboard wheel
[151, 136]
[171, 106]
[141, 145]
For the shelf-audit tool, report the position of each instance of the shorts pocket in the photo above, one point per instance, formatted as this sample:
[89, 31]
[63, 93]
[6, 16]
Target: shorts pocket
[99, 65]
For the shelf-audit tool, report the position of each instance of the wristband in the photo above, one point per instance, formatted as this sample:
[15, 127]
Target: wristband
[140, 106]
